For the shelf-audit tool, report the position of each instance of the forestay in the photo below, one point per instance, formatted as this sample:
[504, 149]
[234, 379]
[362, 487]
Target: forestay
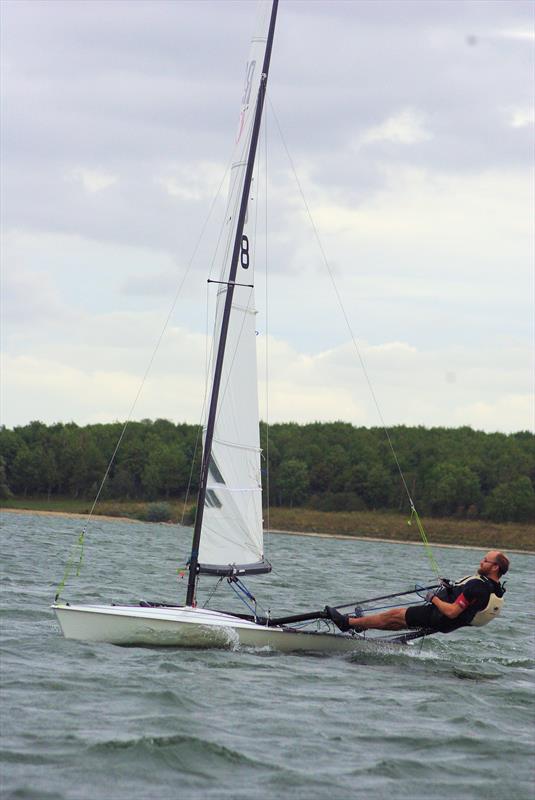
[232, 521]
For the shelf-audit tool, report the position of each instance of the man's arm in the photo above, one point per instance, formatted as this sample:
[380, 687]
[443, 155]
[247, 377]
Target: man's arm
[451, 610]
[473, 593]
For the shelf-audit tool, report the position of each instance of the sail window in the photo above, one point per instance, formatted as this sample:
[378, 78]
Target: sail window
[212, 500]
[214, 472]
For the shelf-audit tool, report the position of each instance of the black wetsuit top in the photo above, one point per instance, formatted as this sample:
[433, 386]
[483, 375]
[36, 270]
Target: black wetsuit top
[474, 595]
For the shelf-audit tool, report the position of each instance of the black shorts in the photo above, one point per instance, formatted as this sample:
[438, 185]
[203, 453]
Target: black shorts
[426, 616]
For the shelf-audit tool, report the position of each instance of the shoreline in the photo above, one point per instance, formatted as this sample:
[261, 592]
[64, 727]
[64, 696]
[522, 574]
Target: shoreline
[70, 514]
[390, 541]
[109, 518]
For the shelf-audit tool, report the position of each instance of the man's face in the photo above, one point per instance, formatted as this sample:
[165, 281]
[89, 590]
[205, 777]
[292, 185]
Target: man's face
[487, 565]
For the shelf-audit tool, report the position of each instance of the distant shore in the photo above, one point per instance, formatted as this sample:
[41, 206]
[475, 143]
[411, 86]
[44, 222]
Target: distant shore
[348, 536]
[38, 512]
[394, 538]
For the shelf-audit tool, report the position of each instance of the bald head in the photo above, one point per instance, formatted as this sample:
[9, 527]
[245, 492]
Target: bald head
[501, 561]
[494, 564]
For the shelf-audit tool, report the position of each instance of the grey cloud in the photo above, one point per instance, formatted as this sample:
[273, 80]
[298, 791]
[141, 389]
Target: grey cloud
[30, 299]
[167, 69]
[131, 87]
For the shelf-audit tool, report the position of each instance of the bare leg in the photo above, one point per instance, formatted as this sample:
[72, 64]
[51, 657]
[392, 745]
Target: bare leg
[391, 620]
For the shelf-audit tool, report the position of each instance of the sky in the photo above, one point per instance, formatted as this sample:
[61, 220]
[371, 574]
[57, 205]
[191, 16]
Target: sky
[409, 126]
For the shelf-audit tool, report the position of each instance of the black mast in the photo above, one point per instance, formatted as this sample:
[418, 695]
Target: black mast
[194, 558]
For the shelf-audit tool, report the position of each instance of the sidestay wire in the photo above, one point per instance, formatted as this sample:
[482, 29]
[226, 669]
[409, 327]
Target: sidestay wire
[425, 540]
[81, 537]
[414, 513]
[68, 567]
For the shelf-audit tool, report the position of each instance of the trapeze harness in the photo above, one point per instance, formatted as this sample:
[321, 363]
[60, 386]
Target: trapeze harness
[492, 609]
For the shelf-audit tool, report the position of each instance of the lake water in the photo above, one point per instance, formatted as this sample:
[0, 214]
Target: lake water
[450, 718]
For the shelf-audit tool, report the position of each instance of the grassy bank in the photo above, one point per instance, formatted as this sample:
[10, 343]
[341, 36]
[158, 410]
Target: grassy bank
[131, 509]
[369, 524]
[378, 525]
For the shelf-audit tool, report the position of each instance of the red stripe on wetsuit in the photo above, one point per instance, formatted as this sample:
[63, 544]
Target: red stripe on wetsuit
[463, 602]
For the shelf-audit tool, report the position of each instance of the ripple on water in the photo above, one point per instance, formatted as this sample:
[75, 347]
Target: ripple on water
[449, 716]
[201, 758]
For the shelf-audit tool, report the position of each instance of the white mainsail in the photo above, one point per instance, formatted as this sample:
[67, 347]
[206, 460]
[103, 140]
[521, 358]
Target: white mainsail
[232, 521]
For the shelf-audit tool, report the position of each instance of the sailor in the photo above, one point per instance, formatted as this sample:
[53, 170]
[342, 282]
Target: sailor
[474, 600]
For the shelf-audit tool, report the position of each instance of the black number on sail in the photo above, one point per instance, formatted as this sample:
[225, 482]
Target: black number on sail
[244, 259]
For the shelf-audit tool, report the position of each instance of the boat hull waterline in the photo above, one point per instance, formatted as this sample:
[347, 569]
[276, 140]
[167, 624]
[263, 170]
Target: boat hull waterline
[189, 627]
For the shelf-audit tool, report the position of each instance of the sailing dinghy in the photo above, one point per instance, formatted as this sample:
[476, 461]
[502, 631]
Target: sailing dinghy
[228, 534]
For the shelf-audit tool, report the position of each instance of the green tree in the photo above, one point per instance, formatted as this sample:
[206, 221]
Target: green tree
[452, 488]
[122, 484]
[26, 471]
[292, 482]
[513, 501]
[340, 466]
[377, 486]
[49, 470]
[5, 491]
[166, 471]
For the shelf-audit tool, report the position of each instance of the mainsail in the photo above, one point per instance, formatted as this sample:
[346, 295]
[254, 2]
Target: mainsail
[232, 536]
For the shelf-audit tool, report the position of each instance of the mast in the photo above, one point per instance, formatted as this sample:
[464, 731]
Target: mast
[194, 557]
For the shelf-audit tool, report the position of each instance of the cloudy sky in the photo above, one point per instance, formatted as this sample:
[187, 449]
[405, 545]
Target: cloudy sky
[410, 127]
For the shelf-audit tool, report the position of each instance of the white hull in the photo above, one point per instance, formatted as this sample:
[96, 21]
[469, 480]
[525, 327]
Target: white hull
[189, 627]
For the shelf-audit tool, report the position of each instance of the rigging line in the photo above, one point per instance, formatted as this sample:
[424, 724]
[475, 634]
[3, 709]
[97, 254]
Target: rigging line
[237, 584]
[147, 370]
[160, 337]
[209, 358]
[225, 387]
[233, 265]
[425, 540]
[214, 590]
[255, 227]
[208, 352]
[223, 394]
[416, 590]
[222, 226]
[239, 596]
[394, 605]
[247, 309]
[259, 173]
[352, 336]
[232, 212]
[268, 507]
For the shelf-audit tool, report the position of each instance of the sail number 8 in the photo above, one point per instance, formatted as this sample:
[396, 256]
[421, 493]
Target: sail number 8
[244, 258]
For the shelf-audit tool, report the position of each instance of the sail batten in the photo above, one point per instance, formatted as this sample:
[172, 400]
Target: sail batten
[239, 446]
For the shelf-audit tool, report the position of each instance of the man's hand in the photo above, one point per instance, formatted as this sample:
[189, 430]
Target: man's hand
[429, 596]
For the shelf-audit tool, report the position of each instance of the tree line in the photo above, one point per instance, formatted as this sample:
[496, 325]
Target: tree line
[328, 466]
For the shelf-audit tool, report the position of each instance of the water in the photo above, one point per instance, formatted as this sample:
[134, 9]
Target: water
[453, 717]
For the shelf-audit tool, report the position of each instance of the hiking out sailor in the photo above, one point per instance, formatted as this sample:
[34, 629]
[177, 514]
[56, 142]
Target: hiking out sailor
[474, 600]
